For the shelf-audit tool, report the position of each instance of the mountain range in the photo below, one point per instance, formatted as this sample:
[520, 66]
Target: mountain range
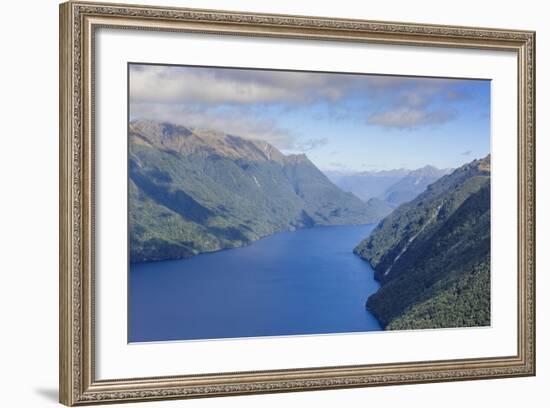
[194, 191]
[393, 187]
[432, 255]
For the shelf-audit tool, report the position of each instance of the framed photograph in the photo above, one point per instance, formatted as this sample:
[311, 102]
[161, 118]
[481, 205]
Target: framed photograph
[256, 203]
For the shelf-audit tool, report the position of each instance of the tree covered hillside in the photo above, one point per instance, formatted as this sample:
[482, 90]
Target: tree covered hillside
[194, 191]
[432, 255]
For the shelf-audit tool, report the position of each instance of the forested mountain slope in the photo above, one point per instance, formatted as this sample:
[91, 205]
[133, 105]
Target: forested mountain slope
[193, 191]
[432, 255]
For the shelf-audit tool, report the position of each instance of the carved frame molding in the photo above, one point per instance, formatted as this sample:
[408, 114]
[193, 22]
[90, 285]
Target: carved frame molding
[78, 22]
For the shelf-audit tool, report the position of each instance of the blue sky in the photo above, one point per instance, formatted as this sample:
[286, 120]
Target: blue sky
[345, 122]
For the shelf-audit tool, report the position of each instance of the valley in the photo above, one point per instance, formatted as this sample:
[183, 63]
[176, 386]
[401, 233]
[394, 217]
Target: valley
[194, 191]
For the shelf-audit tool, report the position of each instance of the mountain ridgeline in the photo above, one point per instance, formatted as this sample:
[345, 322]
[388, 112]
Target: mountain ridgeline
[367, 184]
[193, 191]
[390, 187]
[432, 255]
[412, 184]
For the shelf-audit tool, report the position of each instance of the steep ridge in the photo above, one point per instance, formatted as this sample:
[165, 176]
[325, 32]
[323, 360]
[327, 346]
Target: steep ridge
[432, 255]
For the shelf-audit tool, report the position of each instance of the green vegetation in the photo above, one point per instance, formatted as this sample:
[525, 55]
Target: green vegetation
[194, 191]
[432, 255]
[466, 303]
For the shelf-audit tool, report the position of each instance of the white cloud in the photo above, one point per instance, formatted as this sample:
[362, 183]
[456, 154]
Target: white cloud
[239, 122]
[180, 84]
[157, 84]
[408, 118]
[167, 84]
[194, 96]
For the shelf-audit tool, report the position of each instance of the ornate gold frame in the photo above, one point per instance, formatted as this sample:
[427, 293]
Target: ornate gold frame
[78, 22]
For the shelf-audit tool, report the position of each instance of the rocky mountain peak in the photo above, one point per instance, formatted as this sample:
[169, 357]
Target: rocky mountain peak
[184, 140]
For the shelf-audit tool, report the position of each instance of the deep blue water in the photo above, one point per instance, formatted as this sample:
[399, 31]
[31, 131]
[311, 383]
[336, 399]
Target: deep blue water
[302, 282]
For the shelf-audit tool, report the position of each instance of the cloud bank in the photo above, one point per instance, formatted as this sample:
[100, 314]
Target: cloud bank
[249, 102]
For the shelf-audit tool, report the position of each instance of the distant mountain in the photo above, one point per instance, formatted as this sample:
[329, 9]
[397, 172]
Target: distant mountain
[432, 255]
[193, 191]
[392, 186]
[414, 183]
[367, 184]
